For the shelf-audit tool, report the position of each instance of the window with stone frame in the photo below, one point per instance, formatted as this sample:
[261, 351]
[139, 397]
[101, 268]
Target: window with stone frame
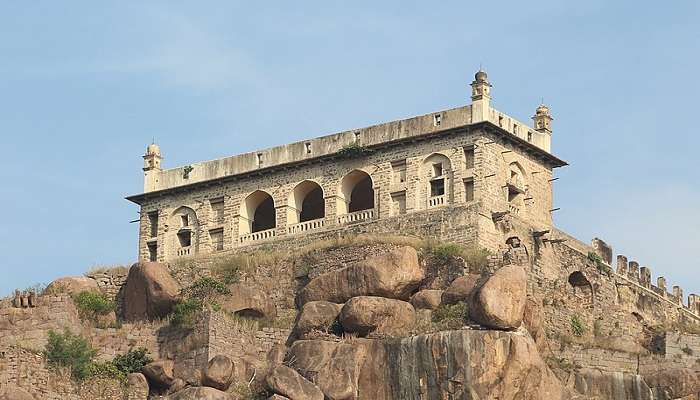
[437, 187]
[217, 210]
[469, 157]
[217, 239]
[398, 203]
[398, 169]
[153, 223]
[469, 189]
[152, 251]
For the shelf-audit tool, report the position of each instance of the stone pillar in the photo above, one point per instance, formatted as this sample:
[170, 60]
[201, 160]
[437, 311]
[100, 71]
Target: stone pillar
[622, 265]
[645, 277]
[603, 250]
[661, 283]
[693, 302]
[678, 294]
[633, 272]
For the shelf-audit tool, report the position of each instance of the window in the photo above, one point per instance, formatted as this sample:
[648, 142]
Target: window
[437, 119]
[437, 170]
[437, 187]
[217, 239]
[398, 203]
[152, 252]
[153, 223]
[185, 238]
[307, 147]
[469, 157]
[529, 136]
[260, 159]
[515, 128]
[184, 220]
[398, 171]
[217, 210]
[500, 121]
[357, 136]
[469, 190]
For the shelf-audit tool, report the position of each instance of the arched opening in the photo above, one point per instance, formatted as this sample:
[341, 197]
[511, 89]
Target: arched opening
[516, 185]
[306, 203]
[356, 193]
[184, 226]
[437, 171]
[582, 286]
[257, 213]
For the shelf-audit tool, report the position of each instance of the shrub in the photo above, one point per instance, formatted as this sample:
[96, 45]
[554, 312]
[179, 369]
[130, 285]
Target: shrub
[577, 327]
[104, 370]
[205, 289]
[600, 265]
[451, 316]
[476, 258]
[70, 351]
[229, 269]
[132, 361]
[445, 252]
[185, 313]
[353, 150]
[92, 304]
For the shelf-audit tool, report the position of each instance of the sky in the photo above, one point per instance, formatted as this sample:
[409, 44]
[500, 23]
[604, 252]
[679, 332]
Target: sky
[85, 86]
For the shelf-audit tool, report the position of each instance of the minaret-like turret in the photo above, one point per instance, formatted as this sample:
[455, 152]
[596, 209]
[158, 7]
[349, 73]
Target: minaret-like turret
[481, 97]
[543, 124]
[151, 167]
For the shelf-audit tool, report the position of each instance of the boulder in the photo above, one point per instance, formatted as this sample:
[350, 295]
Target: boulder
[137, 387]
[499, 301]
[200, 393]
[150, 292]
[534, 323]
[427, 299]
[218, 373]
[178, 384]
[14, 393]
[277, 397]
[287, 382]
[673, 383]
[460, 289]
[72, 285]
[249, 302]
[316, 315]
[460, 364]
[599, 384]
[160, 373]
[394, 274]
[368, 314]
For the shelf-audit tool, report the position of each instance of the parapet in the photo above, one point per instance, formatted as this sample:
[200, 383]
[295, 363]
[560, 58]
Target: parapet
[603, 250]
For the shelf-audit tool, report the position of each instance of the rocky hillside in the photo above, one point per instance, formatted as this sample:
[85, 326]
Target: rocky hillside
[373, 320]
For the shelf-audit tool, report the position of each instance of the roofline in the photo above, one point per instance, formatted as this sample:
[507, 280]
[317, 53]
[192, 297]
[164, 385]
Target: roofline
[555, 162]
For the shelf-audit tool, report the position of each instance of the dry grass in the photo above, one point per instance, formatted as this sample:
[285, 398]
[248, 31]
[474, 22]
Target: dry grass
[110, 269]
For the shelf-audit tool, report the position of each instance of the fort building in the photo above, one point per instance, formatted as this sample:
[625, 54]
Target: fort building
[475, 162]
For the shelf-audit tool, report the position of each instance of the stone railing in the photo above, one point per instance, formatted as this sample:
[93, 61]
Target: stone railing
[436, 201]
[185, 251]
[305, 226]
[355, 216]
[255, 236]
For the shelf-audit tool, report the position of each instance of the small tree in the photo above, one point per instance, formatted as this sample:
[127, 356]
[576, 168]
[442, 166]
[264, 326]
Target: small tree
[132, 361]
[92, 304]
[70, 351]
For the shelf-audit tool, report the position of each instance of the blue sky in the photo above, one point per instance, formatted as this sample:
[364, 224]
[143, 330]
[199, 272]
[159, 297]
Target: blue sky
[85, 85]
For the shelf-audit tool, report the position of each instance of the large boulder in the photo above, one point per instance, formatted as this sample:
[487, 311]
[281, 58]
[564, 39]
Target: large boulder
[160, 373]
[533, 320]
[316, 316]
[460, 289]
[72, 285]
[499, 301]
[394, 274]
[599, 384]
[218, 373]
[369, 314]
[461, 364]
[673, 383]
[249, 302]
[150, 292]
[287, 382]
[200, 393]
[136, 387]
[427, 299]
[14, 393]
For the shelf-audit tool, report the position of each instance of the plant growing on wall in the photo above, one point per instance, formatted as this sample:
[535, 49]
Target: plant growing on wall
[91, 305]
[186, 171]
[600, 265]
[577, 326]
[353, 150]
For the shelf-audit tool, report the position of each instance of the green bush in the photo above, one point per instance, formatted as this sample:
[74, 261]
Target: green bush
[600, 265]
[230, 268]
[450, 316]
[577, 326]
[205, 289]
[132, 361]
[104, 370]
[93, 304]
[70, 351]
[185, 313]
[446, 251]
[353, 150]
[476, 258]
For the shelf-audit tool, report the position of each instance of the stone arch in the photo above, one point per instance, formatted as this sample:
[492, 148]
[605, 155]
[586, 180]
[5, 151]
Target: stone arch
[581, 286]
[516, 184]
[355, 192]
[257, 213]
[306, 202]
[436, 174]
[183, 230]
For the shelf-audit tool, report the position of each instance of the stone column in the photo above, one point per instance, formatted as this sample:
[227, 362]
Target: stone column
[633, 272]
[645, 277]
[622, 265]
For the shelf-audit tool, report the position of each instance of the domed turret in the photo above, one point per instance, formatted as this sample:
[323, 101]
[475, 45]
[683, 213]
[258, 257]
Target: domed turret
[481, 96]
[481, 76]
[543, 119]
[151, 167]
[153, 149]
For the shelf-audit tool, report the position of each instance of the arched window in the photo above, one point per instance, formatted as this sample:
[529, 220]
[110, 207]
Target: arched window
[306, 203]
[355, 193]
[516, 184]
[437, 171]
[183, 226]
[582, 287]
[257, 213]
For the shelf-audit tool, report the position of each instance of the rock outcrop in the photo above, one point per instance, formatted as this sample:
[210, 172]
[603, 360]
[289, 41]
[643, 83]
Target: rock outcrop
[464, 364]
[316, 316]
[673, 383]
[14, 393]
[287, 382]
[150, 292]
[72, 285]
[601, 385]
[200, 393]
[218, 373]
[248, 302]
[427, 299]
[460, 289]
[369, 314]
[395, 274]
[499, 301]
[137, 387]
[160, 373]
